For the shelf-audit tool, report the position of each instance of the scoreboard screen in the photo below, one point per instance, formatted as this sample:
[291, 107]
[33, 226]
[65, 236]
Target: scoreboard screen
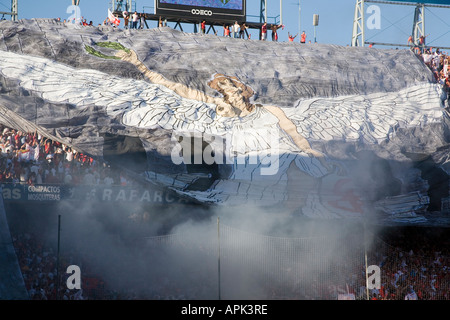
[226, 10]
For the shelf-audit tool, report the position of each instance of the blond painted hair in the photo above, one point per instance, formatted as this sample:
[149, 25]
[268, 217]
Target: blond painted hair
[246, 91]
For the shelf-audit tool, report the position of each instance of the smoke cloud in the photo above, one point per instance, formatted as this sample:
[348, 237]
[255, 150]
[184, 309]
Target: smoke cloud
[196, 252]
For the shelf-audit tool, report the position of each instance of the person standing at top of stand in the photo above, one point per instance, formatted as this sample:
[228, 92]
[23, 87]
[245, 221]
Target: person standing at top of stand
[291, 37]
[303, 37]
[274, 29]
[203, 27]
[235, 29]
[242, 31]
[422, 42]
[264, 31]
[410, 41]
[126, 19]
[141, 21]
[134, 20]
[226, 30]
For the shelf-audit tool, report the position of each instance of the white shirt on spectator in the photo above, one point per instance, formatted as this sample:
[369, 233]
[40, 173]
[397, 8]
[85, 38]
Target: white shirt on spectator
[108, 181]
[89, 178]
[69, 155]
[427, 58]
[36, 152]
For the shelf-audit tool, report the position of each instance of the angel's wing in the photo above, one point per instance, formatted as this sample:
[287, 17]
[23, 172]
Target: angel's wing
[142, 104]
[139, 103]
[372, 118]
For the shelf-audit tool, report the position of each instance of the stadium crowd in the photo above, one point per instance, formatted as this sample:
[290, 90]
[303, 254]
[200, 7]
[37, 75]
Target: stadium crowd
[38, 264]
[439, 63]
[30, 158]
[412, 268]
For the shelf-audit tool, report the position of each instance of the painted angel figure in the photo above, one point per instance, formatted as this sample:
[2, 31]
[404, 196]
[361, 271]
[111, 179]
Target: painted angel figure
[255, 128]
[161, 103]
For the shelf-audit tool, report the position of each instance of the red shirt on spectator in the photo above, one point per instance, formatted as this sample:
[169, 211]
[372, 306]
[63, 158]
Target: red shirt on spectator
[303, 37]
[203, 26]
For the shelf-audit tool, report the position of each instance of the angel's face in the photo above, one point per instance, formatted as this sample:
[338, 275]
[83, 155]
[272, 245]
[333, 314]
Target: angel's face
[233, 94]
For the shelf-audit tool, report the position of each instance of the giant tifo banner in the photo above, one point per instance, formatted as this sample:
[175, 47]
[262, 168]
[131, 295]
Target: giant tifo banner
[320, 131]
[56, 193]
[227, 10]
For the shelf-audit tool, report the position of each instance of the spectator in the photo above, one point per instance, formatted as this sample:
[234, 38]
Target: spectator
[226, 30]
[274, 29]
[88, 178]
[67, 177]
[50, 161]
[126, 19]
[264, 31]
[303, 37]
[203, 27]
[141, 21]
[243, 30]
[134, 20]
[123, 179]
[291, 37]
[410, 41]
[109, 181]
[235, 29]
[69, 154]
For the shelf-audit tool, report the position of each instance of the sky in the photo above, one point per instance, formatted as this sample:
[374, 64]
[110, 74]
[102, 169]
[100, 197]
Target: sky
[335, 18]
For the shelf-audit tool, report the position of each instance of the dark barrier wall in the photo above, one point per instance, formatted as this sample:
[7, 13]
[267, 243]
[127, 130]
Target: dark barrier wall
[12, 286]
[50, 193]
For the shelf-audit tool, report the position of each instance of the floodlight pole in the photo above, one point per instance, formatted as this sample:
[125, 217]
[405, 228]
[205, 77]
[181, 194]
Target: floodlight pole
[358, 25]
[14, 11]
[263, 11]
[418, 29]
[281, 11]
[299, 20]
[315, 23]
[419, 24]
[119, 6]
